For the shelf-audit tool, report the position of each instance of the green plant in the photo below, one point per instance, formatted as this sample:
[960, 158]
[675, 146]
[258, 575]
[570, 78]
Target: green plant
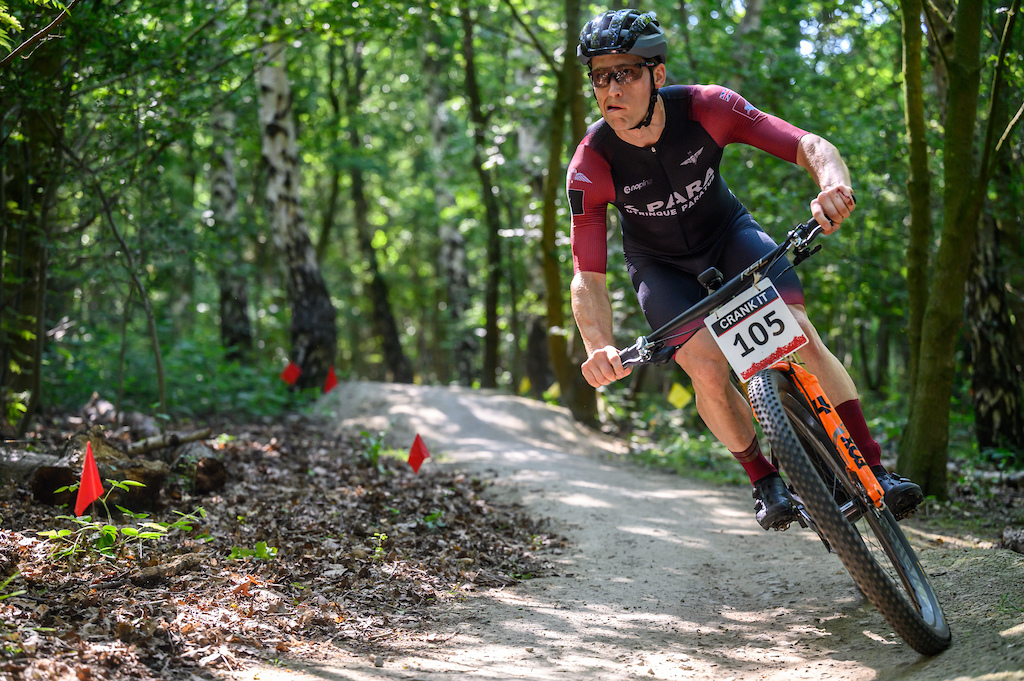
[7, 581]
[100, 540]
[374, 444]
[433, 521]
[123, 485]
[1010, 605]
[379, 552]
[260, 551]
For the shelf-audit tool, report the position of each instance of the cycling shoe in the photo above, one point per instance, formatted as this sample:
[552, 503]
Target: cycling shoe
[773, 505]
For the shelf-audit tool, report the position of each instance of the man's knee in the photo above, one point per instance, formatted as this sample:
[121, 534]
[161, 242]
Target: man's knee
[705, 369]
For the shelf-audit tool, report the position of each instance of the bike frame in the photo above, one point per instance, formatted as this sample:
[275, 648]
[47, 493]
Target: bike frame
[655, 348]
[798, 239]
[826, 414]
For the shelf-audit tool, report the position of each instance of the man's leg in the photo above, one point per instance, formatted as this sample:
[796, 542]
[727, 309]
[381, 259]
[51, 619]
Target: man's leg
[727, 415]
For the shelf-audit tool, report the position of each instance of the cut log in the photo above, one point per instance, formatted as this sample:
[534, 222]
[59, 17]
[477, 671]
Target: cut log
[113, 464]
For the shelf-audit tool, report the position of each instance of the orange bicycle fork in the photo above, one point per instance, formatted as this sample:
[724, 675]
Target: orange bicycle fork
[809, 387]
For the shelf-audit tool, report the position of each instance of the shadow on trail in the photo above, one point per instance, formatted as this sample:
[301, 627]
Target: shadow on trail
[664, 578]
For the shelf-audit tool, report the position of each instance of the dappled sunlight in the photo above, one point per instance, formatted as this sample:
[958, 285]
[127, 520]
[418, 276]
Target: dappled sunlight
[583, 501]
[657, 533]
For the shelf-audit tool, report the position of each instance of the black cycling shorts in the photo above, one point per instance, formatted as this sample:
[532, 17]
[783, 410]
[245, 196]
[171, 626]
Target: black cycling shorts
[666, 288]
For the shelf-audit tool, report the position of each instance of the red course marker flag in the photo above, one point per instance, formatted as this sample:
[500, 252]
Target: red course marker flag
[291, 373]
[418, 454]
[89, 489]
[331, 382]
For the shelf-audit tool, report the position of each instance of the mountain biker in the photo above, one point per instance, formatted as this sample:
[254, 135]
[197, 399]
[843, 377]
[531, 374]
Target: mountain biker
[655, 156]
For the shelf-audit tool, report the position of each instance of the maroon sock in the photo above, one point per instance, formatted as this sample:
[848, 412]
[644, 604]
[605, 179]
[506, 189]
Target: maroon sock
[853, 418]
[753, 462]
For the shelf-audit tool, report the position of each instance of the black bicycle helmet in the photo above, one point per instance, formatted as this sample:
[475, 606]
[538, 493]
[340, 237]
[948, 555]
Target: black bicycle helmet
[626, 31]
[622, 31]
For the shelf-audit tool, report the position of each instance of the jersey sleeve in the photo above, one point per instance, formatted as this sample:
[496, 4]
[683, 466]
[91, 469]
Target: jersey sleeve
[589, 189]
[728, 117]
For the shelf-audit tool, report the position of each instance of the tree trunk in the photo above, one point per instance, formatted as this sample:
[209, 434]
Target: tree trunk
[235, 325]
[492, 216]
[29, 172]
[456, 337]
[397, 363]
[924, 450]
[750, 23]
[996, 377]
[918, 179]
[313, 325]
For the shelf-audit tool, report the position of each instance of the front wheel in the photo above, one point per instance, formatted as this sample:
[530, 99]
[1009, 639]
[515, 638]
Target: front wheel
[868, 542]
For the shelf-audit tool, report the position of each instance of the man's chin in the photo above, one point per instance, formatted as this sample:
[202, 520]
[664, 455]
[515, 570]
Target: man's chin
[618, 120]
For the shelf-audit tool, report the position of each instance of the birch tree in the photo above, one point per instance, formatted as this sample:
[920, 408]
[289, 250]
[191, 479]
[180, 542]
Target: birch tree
[313, 325]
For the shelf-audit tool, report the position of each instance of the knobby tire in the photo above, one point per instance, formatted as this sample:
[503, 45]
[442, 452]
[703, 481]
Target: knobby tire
[891, 576]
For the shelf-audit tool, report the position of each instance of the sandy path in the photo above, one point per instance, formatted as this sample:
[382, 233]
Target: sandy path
[663, 578]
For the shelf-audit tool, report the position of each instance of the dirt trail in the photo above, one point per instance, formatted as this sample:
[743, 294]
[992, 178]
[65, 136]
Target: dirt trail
[663, 578]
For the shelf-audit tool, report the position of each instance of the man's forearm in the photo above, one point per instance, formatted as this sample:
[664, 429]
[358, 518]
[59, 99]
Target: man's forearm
[823, 161]
[592, 309]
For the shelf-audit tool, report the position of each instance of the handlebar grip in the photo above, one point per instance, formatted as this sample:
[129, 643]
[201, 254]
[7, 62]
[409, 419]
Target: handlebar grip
[630, 356]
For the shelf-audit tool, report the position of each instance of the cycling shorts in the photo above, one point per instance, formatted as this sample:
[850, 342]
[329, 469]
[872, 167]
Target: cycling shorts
[666, 288]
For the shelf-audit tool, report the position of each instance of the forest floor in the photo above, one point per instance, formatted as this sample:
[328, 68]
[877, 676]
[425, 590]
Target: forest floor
[526, 547]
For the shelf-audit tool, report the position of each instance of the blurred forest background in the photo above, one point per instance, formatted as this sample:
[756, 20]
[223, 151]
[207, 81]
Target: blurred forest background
[194, 194]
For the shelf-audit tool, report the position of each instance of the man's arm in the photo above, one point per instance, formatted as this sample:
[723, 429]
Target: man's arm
[821, 159]
[592, 309]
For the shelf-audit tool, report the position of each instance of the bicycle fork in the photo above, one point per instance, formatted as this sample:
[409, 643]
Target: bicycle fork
[861, 476]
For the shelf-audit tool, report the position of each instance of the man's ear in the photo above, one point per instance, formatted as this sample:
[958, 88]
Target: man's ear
[660, 75]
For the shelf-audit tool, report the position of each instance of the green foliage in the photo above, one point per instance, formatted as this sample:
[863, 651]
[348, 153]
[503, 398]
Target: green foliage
[4, 584]
[9, 23]
[260, 552]
[379, 552]
[94, 540]
[199, 380]
[133, 90]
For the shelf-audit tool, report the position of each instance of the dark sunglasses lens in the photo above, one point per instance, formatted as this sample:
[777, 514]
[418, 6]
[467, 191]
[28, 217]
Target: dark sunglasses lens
[622, 75]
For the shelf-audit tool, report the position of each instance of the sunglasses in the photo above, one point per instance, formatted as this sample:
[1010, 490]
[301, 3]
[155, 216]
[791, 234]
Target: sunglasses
[626, 73]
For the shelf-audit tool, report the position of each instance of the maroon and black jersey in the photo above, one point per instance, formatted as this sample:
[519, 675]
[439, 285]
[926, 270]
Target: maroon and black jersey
[671, 197]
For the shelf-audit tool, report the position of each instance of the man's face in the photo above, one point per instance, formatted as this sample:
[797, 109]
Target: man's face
[623, 105]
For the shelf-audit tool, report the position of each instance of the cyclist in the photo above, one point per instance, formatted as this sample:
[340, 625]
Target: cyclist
[655, 156]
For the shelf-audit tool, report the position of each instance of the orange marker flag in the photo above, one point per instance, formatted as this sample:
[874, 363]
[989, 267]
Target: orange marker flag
[89, 489]
[418, 454]
[331, 382]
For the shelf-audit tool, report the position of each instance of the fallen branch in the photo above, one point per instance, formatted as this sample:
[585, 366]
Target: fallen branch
[165, 440]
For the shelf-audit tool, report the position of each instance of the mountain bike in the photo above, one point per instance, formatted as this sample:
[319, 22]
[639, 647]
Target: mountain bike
[836, 493]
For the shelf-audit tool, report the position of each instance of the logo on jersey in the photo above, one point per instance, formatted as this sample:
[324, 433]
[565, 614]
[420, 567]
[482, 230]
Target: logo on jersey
[726, 95]
[637, 187]
[676, 202]
[576, 201]
[580, 177]
[693, 157]
[744, 109]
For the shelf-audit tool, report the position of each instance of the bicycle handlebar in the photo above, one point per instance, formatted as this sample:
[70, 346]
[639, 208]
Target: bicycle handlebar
[654, 349]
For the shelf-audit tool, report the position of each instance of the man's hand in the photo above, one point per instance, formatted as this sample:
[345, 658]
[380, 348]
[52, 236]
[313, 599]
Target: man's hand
[832, 206]
[604, 367]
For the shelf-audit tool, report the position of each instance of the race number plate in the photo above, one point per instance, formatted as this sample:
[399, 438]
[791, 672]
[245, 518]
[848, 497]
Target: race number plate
[755, 330]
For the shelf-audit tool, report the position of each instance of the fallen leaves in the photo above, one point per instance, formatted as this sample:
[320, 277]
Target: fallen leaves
[364, 555]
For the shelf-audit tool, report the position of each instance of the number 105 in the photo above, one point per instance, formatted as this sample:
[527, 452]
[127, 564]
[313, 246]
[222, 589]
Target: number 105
[759, 334]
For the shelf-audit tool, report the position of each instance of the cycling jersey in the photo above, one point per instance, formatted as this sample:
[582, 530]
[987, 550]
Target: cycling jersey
[671, 197]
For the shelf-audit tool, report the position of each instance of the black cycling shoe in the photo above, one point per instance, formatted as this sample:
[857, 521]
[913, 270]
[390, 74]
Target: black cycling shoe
[901, 495]
[774, 506]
